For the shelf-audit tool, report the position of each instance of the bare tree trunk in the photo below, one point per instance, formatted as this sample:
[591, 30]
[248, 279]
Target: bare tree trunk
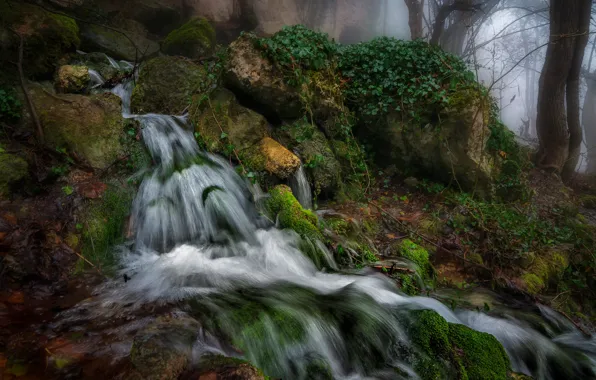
[573, 82]
[415, 17]
[552, 126]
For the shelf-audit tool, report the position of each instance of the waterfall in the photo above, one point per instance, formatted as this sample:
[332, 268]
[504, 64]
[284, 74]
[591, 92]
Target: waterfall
[199, 242]
[113, 62]
[301, 188]
[96, 79]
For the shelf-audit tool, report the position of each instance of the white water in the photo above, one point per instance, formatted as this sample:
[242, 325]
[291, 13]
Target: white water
[301, 188]
[200, 240]
[96, 79]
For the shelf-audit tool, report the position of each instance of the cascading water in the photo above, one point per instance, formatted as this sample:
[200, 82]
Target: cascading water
[96, 79]
[301, 188]
[200, 243]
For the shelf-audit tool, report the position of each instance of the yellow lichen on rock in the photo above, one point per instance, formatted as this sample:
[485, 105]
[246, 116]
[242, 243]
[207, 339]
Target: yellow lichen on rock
[72, 79]
[277, 159]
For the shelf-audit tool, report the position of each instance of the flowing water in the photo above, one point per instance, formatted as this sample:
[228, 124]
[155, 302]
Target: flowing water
[96, 79]
[200, 244]
[301, 188]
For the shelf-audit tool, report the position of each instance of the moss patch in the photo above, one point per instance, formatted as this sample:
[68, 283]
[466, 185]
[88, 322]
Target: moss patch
[415, 253]
[290, 214]
[12, 170]
[195, 39]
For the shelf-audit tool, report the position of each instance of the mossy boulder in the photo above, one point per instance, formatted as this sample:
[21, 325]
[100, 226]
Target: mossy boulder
[284, 207]
[272, 157]
[250, 73]
[13, 169]
[448, 350]
[415, 253]
[164, 349]
[195, 39]
[226, 368]
[166, 85]
[90, 127]
[100, 62]
[72, 79]
[546, 269]
[221, 121]
[132, 45]
[47, 36]
[313, 148]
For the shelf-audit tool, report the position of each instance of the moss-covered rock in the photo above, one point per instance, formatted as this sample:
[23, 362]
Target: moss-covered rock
[314, 150]
[250, 73]
[12, 170]
[546, 269]
[131, 45]
[166, 85]
[225, 368]
[415, 253]
[47, 38]
[448, 350]
[270, 156]
[164, 349]
[284, 207]
[100, 62]
[88, 126]
[194, 40]
[72, 79]
[221, 121]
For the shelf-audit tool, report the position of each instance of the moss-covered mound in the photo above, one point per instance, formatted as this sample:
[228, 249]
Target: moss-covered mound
[47, 37]
[12, 170]
[284, 207]
[195, 39]
[72, 79]
[89, 126]
[415, 253]
[166, 85]
[447, 350]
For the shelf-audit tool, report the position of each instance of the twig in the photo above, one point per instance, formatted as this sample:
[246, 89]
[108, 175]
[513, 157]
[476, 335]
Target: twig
[87, 261]
[30, 105]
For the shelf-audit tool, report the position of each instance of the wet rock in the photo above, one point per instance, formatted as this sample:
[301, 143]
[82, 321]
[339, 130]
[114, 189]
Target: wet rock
[285, 208]
[13, 169]
[223, 115]
[217, 367]
[163, 350]
[72, 79]
[99, 62]
[47, 37]
[195, 39]
[90, 127]
[250, 73]
[166, 85]
[272, 157]
[131, 46]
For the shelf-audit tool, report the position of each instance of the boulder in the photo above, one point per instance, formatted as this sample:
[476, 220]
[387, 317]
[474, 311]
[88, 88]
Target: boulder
[285, 208]
[454, 148]
[223, 116]
[47, 37]
[272, 157]
[313, 148]
[164, 349]
[100, 62]
[72, 79]
[250, 73]
[167, 84]
[195, 39]
[90, 127]
[12, 170]
[131, 45]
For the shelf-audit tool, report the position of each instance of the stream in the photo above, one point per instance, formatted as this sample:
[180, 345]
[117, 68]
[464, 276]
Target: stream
[202, 249]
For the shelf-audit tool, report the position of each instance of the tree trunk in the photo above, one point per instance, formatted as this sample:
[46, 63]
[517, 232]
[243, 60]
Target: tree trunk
[589, 122]
[415, 15]
[573, 82]
[552, 125]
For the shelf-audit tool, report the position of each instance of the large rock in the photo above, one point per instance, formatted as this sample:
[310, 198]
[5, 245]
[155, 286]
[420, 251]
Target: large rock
[164, 349]
[272, 157]
[12, 170]
[47, 37]
[166, 85]
[72, 79]
[90, 127]
[221, 116]
[132, 44]
[454, 149]
[250, 73]
[195, 39]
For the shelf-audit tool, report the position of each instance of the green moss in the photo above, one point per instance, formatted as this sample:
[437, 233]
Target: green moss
[416, 254]
[534, 284]
[103, 226]
[69, 29]
[12, 170]
[481, 354]
[339, 226]
[284, 207]
[408, 284]
[195, 39]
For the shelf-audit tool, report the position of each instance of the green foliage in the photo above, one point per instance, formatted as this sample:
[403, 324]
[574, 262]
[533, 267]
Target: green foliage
[296, 49]
[387, 74]
[416, 254]
[10, 105]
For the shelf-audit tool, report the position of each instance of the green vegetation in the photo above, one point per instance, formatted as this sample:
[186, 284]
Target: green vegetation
[416, 254]
[10, 105]
[284, 207]
[195, 39]
[103, 227]
[13, 169]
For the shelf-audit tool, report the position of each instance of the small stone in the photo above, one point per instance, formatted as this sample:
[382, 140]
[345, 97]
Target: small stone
[277, 159]
[411, 183]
